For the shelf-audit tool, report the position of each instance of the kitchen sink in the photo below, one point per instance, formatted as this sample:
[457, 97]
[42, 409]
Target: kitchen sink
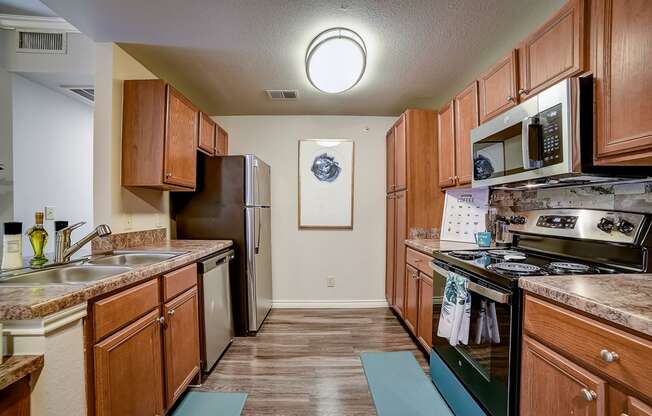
[77, 274]
[133, 259]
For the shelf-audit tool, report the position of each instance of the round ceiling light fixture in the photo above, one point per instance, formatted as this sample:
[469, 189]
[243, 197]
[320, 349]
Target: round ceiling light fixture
[336, 60]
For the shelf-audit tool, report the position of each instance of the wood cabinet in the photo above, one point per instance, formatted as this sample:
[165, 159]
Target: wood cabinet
[497, 88]
[411, 298]
[15, 398]
[222, 148]
[390, 143]
[590, 367]
[159, 137]
[446, 145]
[181, 343]
[424, 325]
[128, 370]
[555, 51]
[207, 135]
[400, 155]
[621, 33]
[390, 248]
[553, 385]
[400, 230]
[466, 118]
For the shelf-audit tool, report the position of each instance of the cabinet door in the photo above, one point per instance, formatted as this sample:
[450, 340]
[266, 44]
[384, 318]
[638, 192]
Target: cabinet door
[399, 257]
[180, 141]
[424, 327]
[128, 373]
[623, 51]
[636, 407]
[553, 385]
[411, 298]
[554, 52]
[497, 88]
[207, 135]
[446, 145]
[466, 119]
[390, 249]
[181, 343]
[400, 154]
[390, 142]
[222, 142]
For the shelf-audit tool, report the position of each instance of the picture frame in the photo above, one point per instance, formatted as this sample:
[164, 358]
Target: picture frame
[326, 170]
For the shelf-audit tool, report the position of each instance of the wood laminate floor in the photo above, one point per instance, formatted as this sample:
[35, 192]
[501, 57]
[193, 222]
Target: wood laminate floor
[306, 362]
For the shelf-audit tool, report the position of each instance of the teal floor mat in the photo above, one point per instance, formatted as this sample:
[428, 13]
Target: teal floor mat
[200, 403]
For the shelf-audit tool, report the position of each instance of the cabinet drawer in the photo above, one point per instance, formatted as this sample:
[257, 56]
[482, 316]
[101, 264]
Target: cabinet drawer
[179, 281]
[585, 339]
[116, 311]
[419, 261]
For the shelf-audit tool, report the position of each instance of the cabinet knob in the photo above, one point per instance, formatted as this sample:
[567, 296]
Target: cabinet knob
[510, 98]
[523, 91]
[168, 174]
[609, 356]
[171, 312]
[161, 320]
[589, 395]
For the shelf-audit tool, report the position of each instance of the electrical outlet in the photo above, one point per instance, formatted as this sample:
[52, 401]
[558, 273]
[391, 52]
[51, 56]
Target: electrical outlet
[50, 215]
[330, 281]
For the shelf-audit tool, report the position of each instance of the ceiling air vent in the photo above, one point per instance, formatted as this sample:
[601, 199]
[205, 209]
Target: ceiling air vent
[85, 94]
[42, 42]
[282, 95]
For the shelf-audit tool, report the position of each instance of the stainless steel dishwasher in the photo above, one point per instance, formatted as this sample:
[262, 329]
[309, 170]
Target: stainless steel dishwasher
[217, 318]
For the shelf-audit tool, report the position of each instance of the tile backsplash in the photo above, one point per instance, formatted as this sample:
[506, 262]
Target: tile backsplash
[634, 197]
[121, 241]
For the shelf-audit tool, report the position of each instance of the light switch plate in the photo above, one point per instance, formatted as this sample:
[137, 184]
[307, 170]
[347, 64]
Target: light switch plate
[50, 214]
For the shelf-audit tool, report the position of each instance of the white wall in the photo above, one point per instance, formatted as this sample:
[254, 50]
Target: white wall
[302, 260]
[6, 175]
[52, 152]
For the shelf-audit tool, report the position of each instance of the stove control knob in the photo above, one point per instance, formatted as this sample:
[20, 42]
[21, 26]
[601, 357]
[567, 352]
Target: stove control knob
[625, 226]
[606, 225]
[517, 219]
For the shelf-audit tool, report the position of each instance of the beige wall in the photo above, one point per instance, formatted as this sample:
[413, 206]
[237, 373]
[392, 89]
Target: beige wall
[302, 260]
[123, 209]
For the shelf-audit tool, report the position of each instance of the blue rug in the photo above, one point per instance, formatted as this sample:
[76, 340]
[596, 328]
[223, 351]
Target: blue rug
[399, 386]
[200, 403]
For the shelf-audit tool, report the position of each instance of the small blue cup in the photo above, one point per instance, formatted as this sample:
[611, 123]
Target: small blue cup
[483, 239]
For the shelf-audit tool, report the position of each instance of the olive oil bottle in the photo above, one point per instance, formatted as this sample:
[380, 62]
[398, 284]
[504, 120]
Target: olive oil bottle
[38, 238]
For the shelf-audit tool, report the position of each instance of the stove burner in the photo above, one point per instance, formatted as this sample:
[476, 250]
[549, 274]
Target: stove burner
[560, 267]
[516, 269]
[466, 254]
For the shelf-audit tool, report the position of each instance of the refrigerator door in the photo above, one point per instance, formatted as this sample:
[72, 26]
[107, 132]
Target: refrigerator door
[257, 182]
[259, 264]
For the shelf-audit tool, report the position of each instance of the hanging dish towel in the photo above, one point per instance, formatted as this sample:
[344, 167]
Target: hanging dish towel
[455, 317]
[486, 324]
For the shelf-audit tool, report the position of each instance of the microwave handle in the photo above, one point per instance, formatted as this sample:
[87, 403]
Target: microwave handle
[528, 163]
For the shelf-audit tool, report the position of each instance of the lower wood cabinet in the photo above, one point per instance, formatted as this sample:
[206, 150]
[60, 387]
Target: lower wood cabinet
[400, 234]
[390, 249]
[418, 294]
[636, 407]
[128, 370]
[15, 399]
[424, 325]
[411, 298]
[181, 343]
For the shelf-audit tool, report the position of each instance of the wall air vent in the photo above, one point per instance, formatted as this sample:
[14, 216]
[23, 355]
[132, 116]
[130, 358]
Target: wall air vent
[41, 42]
[85, 94]
[282, 95]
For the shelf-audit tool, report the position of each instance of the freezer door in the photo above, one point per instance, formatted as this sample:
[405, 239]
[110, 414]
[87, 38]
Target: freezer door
[257, 182]
[259, 265]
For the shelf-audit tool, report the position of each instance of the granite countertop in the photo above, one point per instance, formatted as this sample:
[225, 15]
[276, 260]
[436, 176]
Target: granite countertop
[431, 246]
[15, 367]
[31, 302]
[623, 299]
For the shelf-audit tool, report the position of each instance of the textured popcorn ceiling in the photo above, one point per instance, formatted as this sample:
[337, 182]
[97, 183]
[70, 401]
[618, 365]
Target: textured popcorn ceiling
[223, 54]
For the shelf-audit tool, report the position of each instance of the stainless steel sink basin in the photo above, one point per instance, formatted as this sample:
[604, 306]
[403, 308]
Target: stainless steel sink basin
[133, 259]
[77, 274]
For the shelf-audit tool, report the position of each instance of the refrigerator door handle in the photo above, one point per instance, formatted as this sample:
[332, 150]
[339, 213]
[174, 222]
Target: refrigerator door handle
[250, 224]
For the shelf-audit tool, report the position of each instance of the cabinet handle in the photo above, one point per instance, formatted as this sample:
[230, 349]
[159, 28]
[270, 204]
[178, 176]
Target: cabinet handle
[609, 356]
[161, 320]
[589, 395]
[168, 174]
[171, 312]
[523, 91]
[510, 98]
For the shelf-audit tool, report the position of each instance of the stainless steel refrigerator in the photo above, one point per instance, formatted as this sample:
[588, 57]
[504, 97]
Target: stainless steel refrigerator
[233, 201]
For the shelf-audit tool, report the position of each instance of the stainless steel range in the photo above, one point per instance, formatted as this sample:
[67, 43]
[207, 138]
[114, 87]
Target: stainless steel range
[546, 242]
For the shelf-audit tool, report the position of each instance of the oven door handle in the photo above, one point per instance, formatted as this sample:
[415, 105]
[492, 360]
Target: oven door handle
[496, 296]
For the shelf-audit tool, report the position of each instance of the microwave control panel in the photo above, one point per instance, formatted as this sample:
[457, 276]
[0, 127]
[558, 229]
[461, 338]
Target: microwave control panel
[557, 221]
[551, 132]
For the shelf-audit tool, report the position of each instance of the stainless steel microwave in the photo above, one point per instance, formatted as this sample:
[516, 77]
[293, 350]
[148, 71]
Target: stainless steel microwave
[544, 141]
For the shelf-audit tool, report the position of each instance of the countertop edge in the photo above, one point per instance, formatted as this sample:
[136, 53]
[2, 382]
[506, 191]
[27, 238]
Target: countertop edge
[15, 367]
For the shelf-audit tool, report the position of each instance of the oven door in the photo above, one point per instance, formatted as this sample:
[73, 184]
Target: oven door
[482, 365]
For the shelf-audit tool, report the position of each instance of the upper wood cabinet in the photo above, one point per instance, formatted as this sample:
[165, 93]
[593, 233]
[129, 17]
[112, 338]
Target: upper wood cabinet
[622, 52]
[400, 155]
[446, 145]
[159, 137]
[390, 143]
[466, 119]
[207, 135]
[222, 147]
[497, 88]
[555, 51]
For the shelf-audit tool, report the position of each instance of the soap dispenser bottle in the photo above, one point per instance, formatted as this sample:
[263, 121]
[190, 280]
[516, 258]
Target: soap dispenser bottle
[38, 238]
[12, 246]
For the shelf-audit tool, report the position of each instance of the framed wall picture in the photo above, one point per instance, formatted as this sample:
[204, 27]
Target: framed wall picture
[326, 184]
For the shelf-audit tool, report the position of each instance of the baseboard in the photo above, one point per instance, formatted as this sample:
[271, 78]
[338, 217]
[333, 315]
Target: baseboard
[329, 304]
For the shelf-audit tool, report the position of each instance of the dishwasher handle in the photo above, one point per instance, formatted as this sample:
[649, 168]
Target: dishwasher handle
[209, 263]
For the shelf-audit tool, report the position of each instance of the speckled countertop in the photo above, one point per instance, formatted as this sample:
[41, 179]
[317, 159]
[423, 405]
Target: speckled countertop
[625, 299]
[430, 246]
[30, 302]
[15, 367]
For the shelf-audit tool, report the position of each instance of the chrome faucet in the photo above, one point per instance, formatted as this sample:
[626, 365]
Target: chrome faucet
[63, 249]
